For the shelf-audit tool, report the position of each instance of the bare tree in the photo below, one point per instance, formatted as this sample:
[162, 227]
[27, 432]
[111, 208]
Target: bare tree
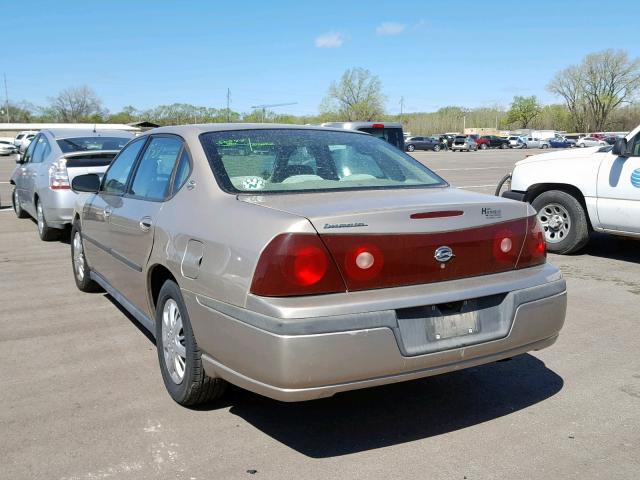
[76, 104]
[594, 89]
[610, 80]
[357, 96]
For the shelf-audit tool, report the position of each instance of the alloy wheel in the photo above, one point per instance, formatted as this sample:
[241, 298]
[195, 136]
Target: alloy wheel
[40, 219]
[173, 342]
[78, 257]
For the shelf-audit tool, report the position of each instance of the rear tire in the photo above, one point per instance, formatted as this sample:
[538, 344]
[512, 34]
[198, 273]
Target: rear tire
[178, 353]
[45, 232]
[564, 221]
[504, 146]
[17, 208]
[436, 148]
[81, 271]
[544, 145]
[483, 146]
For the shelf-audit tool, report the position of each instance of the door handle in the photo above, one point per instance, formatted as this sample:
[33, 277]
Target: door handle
[145, 224]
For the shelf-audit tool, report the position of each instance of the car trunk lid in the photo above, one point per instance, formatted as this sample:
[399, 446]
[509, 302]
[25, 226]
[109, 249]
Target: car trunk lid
[402, 237]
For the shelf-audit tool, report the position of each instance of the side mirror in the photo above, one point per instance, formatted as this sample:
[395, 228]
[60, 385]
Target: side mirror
[89, 183]
[20, 159]
[620, 147]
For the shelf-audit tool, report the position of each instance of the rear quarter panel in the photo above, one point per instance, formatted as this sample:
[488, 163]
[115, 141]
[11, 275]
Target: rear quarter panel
[233, 234]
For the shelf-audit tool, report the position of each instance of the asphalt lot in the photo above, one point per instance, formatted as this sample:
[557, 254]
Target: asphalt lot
[81, 395]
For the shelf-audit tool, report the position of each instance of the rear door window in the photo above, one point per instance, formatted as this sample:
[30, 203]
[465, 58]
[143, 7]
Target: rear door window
[153, 175]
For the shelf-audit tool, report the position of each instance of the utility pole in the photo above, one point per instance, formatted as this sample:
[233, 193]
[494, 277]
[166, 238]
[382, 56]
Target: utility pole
[401, 107]
[228, 102]
[464, 123]
[6, 96]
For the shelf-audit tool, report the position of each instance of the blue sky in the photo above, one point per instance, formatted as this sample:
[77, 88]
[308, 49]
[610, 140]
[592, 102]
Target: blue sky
[433, 54]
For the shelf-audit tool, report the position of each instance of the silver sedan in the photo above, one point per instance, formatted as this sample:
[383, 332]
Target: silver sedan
[298, 262]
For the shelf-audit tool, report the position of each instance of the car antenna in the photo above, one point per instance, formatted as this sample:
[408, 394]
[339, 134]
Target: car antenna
[94, 128]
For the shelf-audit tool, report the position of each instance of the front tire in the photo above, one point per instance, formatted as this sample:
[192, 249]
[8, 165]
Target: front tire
[564, 221]
[178, 353]
[436, 148]
[483, 146]
[410, 148]
[81, 271]
[17, 208]
[504, 146]
[45, 232]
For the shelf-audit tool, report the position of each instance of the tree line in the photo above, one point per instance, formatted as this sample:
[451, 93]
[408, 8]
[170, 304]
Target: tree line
[597, 94]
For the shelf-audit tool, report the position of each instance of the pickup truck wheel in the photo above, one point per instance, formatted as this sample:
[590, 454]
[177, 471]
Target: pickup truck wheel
[178, 353]
[504, 146]
[81, 272]
[544, 145]
[410, 148]
[563, 220]
[17, 208]
[45, 232]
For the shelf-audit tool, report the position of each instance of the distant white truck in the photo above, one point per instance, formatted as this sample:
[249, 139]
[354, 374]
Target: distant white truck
[581, 190]
[543, 134]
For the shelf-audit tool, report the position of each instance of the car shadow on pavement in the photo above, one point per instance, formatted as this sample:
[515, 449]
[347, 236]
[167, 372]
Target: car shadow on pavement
[373, 418]
[615, 248]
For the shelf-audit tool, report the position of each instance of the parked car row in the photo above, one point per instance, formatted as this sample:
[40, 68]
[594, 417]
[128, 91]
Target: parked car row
[293, 261]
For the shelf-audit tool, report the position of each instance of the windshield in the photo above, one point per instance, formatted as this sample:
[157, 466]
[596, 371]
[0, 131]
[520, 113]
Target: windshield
[83, 144]
[290, 160]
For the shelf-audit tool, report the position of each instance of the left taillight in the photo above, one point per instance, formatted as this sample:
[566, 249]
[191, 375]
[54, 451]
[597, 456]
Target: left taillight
[295, 264]
[58, 175]
[534, 250]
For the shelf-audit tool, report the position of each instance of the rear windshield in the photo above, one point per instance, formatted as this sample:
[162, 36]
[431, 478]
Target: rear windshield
[290, 160]
[83, 144]
[394, 136]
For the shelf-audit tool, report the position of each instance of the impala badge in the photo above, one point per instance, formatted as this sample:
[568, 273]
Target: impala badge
[443, 254]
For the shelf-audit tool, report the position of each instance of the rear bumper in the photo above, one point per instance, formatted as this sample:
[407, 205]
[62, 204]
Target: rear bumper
[293, 359]
[58, 206]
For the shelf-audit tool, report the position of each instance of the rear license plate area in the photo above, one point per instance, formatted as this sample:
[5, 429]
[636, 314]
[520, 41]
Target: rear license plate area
[434, 328]
[448, 326]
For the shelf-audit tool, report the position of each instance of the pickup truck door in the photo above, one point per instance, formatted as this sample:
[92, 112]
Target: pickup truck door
[619, 190]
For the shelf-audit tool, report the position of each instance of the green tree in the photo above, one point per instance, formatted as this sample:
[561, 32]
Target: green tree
[357, 96]
[523, 111]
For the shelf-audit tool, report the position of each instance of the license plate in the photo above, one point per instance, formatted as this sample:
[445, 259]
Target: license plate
[439, 328]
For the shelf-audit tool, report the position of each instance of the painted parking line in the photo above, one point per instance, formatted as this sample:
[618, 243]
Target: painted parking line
[470, 168]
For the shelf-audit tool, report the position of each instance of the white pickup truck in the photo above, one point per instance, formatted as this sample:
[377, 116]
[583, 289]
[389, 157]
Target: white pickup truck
[582, 190]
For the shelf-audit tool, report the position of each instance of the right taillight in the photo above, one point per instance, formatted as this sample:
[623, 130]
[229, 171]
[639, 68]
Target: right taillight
[534, 251]
[296, 264]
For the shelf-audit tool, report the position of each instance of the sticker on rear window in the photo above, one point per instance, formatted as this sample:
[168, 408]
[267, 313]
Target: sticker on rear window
[253, 183]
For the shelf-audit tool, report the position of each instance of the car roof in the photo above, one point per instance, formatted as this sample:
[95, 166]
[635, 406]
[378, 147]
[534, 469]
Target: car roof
[75, 133]
[226, 127]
